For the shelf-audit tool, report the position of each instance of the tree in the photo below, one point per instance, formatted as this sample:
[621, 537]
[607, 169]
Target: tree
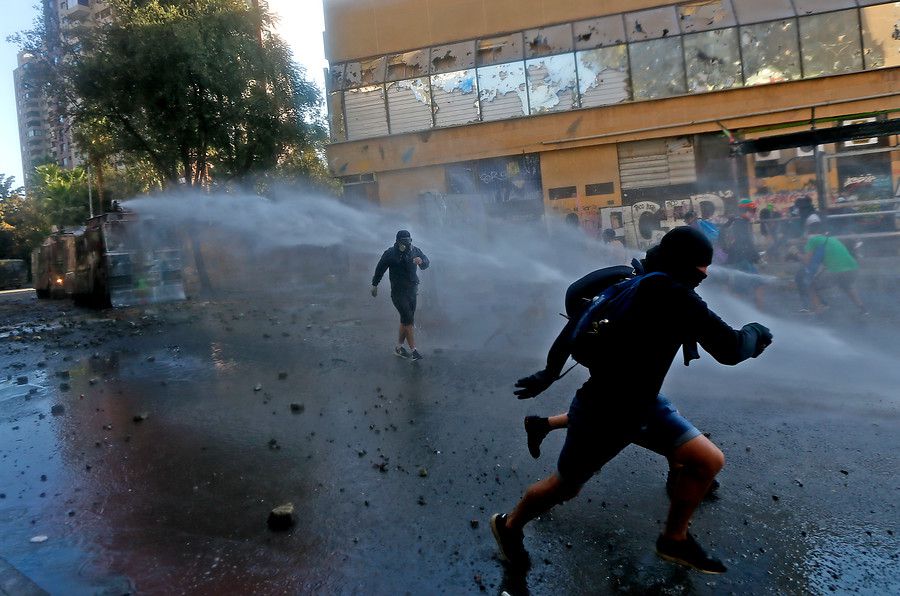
[192, 87]
[61, 195]
[22, 224]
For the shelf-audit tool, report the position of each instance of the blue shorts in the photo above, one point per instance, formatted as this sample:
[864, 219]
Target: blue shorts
[596, 435]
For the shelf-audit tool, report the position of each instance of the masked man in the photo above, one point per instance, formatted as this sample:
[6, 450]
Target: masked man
[401, 260]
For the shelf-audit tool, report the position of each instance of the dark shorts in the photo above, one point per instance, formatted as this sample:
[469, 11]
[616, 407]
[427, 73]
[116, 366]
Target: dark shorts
[842, 279]
[595, 436]
[405, 303]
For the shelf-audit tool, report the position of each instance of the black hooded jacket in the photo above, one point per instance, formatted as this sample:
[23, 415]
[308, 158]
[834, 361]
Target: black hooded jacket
[664, 316]
[402, 270]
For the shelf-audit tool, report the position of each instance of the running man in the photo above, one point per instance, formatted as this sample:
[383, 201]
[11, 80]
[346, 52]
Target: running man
[611, 411]
[401, 260]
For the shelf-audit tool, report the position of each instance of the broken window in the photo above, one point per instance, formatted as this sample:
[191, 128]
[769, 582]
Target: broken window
[703, 15]
[603, 76]
[336, 77]
[713, 60]
[501, 88]
[548, 41]
[409, 105]
[756, 11]
[770, 52]
[366, 114]
[657, 68]
[805, 7]
[551, 83]
[598, 33]
[651, 24]
[881, 35]
[455, 97]
[364, 73]
[336, 116]
[408, 65]
[453, 57]
[498, 50]
[830, 43]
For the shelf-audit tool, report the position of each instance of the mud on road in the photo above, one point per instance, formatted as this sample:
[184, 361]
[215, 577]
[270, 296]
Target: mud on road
[149, 445]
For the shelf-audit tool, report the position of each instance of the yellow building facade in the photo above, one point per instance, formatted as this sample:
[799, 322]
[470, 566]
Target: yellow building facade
[618, 112]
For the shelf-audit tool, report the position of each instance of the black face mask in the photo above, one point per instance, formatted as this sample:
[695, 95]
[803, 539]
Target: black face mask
[692, 279]
[404, 245]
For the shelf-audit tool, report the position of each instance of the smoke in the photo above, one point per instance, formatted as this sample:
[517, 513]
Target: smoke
[495, 285]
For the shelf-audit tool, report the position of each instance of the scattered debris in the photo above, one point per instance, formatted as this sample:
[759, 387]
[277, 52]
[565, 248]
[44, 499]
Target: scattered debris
[281, 517]
[297, 408]
[58, 409]
[473, 523]
[38, 539]
[140, 417]
[257, 387]
[282, 376]
[423, 472]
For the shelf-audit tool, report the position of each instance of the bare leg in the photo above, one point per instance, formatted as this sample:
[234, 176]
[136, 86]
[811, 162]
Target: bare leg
[854, 297]
[701, 461]
[401, 335]
[538, 499]
[558, 421]
[411, 336]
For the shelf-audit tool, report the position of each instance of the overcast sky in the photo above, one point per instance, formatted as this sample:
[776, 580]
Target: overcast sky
[300, 23]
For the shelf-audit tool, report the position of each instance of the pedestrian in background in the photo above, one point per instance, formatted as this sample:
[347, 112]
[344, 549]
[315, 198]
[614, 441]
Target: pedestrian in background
[403, 260]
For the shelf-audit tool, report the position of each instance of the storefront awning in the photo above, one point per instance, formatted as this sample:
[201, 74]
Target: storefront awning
[821, 136]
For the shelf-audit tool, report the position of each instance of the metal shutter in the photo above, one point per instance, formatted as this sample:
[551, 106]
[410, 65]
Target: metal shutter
[657, 162]
[366, 116]
[409, 105]
[455, 97]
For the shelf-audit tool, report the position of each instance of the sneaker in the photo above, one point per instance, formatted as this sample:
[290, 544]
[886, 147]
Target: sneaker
[536, 428]
[688, 552]
[709, 496]
[401, 351]
[509, 542]
[416, 355]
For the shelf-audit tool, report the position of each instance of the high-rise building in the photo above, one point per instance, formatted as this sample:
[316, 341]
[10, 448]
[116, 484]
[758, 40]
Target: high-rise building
[45, 128]
[610, 114]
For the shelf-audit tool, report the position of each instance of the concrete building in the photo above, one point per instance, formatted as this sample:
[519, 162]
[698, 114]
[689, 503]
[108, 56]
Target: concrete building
[45, 129]
[621, 112]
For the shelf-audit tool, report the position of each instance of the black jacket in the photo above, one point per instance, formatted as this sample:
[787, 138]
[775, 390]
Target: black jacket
[663, 317]
[402, 269]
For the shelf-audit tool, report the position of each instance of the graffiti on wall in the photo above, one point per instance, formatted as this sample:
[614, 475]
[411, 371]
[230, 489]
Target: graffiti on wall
[641, 225]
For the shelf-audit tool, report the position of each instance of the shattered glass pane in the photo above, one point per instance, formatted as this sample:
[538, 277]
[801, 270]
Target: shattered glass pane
[551, 83]
[805, 7]
[497, 50]
[597, 33]
[453, 57]
[336, 116]
[770, 52]
[548, 41]
[336, 77]
[455, 97]
[502, 91]
[409, 105]
[657, 68]
[756, 11]
[407, 65]
[713, 60]
[365, 72]
[881, 35]
[603, 76]
[702, 15]
[830, 43]
[651, 24]
[366, 116]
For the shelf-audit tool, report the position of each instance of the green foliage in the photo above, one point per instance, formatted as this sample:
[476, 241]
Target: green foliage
[22, 225]
[194, 89]
[61, 195]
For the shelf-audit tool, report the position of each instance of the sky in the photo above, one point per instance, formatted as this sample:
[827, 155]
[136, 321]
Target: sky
[300, 23]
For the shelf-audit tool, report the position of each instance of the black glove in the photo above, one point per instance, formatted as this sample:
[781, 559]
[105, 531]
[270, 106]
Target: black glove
[763, 337]
[533, 385]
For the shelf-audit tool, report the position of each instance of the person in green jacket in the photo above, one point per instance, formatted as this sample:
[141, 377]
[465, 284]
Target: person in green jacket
[829, 261]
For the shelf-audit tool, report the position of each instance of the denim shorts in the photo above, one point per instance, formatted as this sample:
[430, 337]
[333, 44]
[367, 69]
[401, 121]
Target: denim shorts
[596, 435]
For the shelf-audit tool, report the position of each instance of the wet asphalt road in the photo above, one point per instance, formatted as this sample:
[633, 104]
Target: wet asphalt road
[394, 467]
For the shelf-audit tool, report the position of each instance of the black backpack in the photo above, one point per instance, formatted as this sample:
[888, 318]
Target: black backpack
[599, 327]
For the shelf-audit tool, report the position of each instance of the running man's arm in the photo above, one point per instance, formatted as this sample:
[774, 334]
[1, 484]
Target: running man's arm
[425, 262]
[380, 269]
[730, 346]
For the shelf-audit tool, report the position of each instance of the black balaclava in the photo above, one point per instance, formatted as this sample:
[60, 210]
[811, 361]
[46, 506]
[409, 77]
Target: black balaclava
[679, 253]
[404, 241]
